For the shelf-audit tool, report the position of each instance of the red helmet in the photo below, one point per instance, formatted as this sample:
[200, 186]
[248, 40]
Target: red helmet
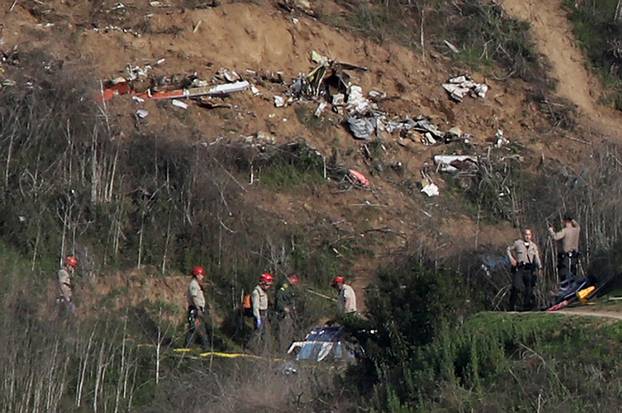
[294, 279]
[339, 280]
[198, 270]
[266, 278]
[71, 261]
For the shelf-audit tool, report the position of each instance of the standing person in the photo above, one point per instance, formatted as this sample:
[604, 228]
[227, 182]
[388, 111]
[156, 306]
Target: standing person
[568, 257]
[197, 314]
[346, 301]
[525, 259]
[285, 305]
[259, 299]
[65, 286]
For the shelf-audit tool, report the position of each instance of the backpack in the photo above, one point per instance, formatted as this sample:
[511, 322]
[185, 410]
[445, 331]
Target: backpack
[247, 305]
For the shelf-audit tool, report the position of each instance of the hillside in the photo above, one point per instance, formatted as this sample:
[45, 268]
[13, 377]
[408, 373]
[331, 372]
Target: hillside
[262, 38]
[99, 161]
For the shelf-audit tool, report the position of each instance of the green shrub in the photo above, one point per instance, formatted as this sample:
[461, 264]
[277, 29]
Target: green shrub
[484, 35]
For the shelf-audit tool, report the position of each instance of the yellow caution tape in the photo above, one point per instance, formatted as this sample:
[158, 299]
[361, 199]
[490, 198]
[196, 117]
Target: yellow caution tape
[182, 350]
[228, 355]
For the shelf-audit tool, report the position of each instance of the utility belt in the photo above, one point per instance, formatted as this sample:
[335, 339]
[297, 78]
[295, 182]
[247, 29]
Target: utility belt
[570, 254]
[193, 313]
[263, 314]
[527, 266]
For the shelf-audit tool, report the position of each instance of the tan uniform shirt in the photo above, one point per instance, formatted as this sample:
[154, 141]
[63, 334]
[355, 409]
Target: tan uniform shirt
[346, 302]
[524, 252]
[260, 301]
[569, 237]
[64, 283]
[195, 294]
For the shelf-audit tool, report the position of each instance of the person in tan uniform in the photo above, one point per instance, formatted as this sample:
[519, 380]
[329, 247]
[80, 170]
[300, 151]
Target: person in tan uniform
[568, 256]
[259, 298]
[346, 301]
[259, 340]
[65, 286]
[198, 324]
[525, 259]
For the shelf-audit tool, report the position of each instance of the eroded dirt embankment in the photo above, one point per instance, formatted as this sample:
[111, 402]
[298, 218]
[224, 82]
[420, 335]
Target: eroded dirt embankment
[553, 35]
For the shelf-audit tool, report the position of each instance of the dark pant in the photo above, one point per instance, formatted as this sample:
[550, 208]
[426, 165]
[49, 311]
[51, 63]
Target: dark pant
[523, 282]
[198, 326]
[286, 331]
[567, 266]
[261, 339]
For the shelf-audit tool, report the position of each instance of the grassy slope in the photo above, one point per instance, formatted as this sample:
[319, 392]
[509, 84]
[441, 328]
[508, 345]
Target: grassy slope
[527, 362]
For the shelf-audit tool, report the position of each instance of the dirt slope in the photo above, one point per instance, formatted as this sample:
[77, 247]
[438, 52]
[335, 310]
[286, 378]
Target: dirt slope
[261, 37]
[553, 35]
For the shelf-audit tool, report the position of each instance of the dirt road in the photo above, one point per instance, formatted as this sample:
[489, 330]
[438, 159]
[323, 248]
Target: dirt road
[588, 312]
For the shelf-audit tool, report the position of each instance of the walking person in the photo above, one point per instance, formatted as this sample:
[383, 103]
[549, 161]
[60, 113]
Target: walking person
[525, 259]
[65, 286]
[198, 323]
[568, 256]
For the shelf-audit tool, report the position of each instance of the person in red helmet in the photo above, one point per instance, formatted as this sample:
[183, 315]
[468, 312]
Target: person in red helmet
[259, 299]
[65, 287]
[346, 301]
[198, 324]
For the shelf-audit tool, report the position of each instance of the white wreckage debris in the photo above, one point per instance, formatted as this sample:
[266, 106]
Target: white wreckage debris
[142, 113]
[500, 140]
[362, 127]
[227, 75]
[320, 109]
[430, 133]
[179, 104]
[356, 101]
[430, 188]
[223, 90]
[455, 163]
[279, 101]
[169, 87]
[461, 86]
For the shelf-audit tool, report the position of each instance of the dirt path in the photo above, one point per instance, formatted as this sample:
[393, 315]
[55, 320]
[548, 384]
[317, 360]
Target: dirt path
[587, 312]
[554, 38]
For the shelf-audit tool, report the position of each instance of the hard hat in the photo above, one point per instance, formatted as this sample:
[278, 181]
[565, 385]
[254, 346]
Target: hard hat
[293, 279]
[198, 270]
[266, 278]
[71, 261]
[339, 280]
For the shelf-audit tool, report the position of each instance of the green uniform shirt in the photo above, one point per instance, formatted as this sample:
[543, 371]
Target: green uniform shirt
[285, 297]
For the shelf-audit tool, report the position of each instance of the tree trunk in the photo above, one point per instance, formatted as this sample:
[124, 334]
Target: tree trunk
[618, 14]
